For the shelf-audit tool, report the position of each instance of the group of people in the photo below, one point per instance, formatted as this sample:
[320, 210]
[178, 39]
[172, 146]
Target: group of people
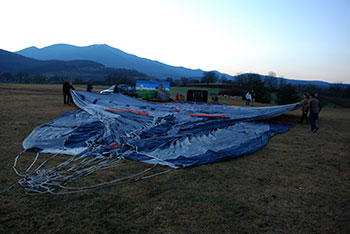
[311, 105]
[250, 98]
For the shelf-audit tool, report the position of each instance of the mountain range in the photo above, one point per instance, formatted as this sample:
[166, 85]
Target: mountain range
[97, 61]
[110, 57]
[83, 69]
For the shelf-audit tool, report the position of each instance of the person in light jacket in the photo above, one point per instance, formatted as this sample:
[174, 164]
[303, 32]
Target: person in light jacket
[248, 98]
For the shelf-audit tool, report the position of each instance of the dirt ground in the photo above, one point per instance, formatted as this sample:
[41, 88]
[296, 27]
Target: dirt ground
[298, 183]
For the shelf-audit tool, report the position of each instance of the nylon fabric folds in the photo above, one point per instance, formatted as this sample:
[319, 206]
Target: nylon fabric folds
[172, 134]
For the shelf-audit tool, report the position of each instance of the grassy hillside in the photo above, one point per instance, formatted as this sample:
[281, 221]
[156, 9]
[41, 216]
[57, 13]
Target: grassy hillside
[298, 183]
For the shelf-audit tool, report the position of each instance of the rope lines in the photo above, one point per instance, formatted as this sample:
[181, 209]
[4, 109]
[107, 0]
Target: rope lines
[40, 180]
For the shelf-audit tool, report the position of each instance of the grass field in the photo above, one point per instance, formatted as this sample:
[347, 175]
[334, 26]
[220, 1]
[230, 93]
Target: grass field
[298, 183]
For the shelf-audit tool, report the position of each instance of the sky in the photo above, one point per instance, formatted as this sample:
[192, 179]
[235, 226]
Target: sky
[296, 39]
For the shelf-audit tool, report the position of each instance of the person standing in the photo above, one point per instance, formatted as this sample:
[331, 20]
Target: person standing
[318, 98]
[314, 105]
[248, 98]
[70, 99]
[304, 108]
[116, 89]
[65, 90]
[252, 94]
[89, 87]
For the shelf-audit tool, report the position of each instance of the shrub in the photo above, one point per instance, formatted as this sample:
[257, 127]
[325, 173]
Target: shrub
[287, 94]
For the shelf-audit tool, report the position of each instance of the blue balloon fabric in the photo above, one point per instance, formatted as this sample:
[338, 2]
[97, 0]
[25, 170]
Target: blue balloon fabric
[172, 134]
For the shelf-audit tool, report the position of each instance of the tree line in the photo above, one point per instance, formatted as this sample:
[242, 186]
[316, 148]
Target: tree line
[263, 88]
[106, 76]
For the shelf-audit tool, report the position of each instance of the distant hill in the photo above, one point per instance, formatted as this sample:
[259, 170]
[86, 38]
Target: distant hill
[112, 57]
[11, 62]
[84, 69]
[317, 83]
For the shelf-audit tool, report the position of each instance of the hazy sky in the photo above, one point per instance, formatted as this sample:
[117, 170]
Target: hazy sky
[297, 39]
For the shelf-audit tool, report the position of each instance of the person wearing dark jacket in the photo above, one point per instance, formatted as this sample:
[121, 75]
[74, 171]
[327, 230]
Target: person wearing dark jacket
[252, 94]
[304, 108]
[70, 99]
[318, 98]
[315, 106]
[116, 89]
[65, 90]
[89, 87]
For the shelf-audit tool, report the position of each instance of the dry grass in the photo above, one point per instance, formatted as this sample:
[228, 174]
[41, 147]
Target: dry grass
[298, 183]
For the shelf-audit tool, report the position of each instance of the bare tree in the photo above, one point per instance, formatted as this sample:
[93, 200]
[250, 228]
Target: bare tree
[209, 77]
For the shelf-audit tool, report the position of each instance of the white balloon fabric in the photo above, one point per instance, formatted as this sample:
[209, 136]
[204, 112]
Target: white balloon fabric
[172, 134]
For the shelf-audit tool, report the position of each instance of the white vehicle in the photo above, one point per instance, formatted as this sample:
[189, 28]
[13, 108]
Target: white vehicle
[108, 91]
[125, 89]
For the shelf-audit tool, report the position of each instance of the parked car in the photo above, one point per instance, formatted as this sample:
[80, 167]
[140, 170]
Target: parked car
[108, 91]
[124, 89]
